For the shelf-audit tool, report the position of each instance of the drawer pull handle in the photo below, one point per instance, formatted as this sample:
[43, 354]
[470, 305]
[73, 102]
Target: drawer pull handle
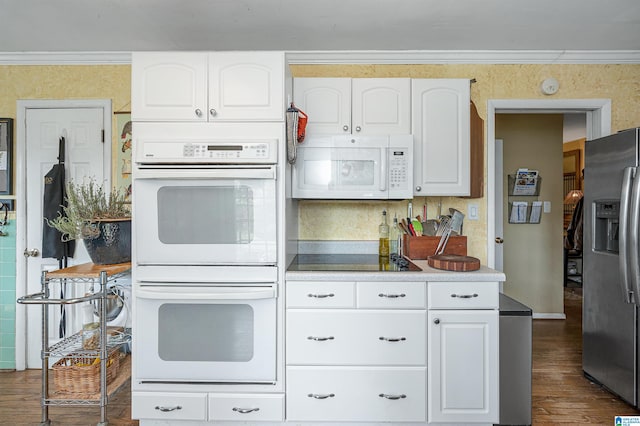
[392, 296]
[245, 410]
[389, 396]
[464, 296]
[321, 396]
[393, 339]
[320, 339]
[321, 296]
[168, 409]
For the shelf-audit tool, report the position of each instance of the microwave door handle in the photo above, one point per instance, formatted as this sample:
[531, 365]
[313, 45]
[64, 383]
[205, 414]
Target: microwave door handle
[634, 250]
[383, 169]
[211, 294]
[623, 233]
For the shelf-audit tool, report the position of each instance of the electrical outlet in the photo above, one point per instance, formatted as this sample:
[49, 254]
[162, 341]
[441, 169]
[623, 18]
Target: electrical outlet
[547, 206]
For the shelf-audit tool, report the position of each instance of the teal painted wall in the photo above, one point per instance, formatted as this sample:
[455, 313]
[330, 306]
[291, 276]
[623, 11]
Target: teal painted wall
[8, 297]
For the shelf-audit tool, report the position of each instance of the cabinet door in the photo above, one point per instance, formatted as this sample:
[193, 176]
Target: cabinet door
[169, 86]
[440, 122]
[462, 384]
[381, 106]
[327, 103]
[247, 86]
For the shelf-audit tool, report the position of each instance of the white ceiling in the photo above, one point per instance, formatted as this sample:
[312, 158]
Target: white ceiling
[318, 25]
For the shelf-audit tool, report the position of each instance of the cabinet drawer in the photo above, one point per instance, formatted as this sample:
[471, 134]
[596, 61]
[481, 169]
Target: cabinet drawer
[463, 295]
[391, 295]
[320, 294]
[356, 394]
[246, 407]
[356, 337]
[169, 406]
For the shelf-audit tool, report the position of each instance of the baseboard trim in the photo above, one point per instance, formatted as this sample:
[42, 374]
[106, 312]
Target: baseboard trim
[549, 316]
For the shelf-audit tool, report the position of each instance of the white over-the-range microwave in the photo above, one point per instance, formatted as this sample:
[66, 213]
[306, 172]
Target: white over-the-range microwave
[377, 167]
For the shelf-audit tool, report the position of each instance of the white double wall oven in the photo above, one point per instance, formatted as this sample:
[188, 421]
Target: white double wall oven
[205, 278]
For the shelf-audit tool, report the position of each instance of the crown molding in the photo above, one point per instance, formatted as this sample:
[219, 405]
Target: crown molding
[466, 57]
[319, 57]
[65, 58]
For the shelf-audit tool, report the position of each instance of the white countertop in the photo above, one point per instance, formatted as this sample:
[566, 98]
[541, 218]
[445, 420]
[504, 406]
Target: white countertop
[427, 274]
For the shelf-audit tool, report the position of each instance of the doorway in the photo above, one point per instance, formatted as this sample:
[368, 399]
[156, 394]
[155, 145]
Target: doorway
[598, 113]
[86, 126]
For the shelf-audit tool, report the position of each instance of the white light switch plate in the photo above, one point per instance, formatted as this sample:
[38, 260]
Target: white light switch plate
[546, 206]
[472, 212]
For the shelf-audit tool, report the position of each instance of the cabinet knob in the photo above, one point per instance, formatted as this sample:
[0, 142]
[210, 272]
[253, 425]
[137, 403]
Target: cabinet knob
[345, 128]
[436, 321]
[198, 112]
[418, 188]
[499, 240]
[358, 128]
[213, 112]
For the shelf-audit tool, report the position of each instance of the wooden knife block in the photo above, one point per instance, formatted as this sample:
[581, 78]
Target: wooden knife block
[423, 247]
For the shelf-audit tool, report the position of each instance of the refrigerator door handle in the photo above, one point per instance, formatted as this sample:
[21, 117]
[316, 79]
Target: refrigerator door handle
[633, 248]
[628, 182]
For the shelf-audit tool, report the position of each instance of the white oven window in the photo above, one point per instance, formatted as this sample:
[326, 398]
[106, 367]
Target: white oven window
[205, 214]
[206, 332]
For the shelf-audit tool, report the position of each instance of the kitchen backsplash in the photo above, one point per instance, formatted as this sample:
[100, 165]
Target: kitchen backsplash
[321, 220]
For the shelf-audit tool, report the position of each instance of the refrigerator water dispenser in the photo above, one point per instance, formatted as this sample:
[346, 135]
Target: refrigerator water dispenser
[606, 226]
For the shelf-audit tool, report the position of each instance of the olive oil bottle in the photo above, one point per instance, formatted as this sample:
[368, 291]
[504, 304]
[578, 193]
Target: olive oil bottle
[383, 235]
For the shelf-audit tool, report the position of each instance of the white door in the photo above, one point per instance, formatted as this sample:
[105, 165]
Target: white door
[86, 156]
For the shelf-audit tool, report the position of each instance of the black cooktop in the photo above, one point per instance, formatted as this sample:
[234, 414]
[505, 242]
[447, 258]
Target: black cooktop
[351, 262]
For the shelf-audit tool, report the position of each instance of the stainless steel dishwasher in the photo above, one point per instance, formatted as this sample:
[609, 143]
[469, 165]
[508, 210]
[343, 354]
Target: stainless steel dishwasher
[515, 362]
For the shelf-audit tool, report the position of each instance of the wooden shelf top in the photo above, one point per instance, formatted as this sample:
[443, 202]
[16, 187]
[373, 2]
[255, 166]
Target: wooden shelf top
[89, 270]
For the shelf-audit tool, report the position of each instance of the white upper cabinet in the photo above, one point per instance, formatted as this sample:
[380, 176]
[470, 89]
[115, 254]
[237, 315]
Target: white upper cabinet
[207, 86]
[355, 106]
[440, 126]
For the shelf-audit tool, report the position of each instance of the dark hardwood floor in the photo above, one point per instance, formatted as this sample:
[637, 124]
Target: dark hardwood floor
[561, 394]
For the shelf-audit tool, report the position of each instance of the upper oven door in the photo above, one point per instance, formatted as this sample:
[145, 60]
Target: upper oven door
[205, 216]
[345, 168]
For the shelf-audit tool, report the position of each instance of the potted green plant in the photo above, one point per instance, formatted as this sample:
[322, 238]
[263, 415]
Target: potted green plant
[101, 218]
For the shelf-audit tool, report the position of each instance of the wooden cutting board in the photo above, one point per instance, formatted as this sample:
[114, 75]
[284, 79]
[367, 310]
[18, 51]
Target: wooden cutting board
[454, 262]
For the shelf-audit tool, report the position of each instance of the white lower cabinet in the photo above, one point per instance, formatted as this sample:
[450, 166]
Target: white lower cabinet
[357, 394]
[204, 406]
[248, 407]
[463, 366]
[169, 406]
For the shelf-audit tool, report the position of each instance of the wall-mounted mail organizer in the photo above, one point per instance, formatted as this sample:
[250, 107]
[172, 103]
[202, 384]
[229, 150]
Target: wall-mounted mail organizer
[525, 212]
[524, 185]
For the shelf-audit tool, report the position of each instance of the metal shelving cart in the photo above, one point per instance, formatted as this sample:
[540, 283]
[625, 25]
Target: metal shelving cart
[71, 347]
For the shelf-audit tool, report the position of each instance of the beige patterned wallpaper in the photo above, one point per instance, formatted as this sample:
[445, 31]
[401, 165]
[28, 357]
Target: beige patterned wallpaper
[359, 220]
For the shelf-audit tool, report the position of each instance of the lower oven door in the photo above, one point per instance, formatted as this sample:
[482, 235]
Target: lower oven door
[207, 334]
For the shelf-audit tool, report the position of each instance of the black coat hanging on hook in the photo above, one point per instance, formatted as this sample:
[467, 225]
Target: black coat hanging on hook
[54, 199]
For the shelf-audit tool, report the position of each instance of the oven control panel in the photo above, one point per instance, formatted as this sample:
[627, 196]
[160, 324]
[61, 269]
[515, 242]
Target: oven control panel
[263, 151]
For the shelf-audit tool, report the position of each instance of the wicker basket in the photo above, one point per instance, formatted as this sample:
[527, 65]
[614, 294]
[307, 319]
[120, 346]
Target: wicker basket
[82, 374]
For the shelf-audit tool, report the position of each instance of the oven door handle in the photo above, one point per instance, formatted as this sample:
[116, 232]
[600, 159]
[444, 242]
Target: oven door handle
[256, 172]
[225, 293]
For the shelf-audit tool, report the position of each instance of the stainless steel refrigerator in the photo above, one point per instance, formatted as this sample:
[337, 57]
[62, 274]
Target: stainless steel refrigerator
[611, 267]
